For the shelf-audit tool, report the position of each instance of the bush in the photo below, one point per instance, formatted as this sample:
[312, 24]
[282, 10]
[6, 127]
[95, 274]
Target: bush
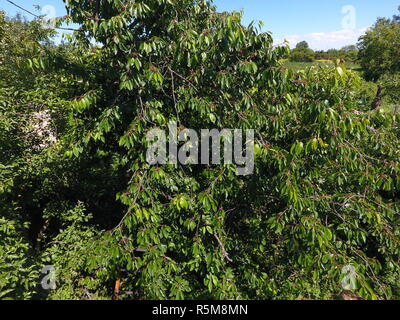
[19, 273]
[68, 252]
[391, 85]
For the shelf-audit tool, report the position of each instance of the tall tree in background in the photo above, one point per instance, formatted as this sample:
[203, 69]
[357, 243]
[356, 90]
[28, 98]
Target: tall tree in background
[302, 53]
[379, 49]
[302, 45]
[379, 57]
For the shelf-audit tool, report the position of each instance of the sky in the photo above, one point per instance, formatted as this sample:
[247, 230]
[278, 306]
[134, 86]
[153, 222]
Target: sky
[324, 24]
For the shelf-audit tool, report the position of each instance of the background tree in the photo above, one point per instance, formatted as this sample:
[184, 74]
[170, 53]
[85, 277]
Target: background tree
[302, 53]
[302, 45]
[350, 53]
[379, 49]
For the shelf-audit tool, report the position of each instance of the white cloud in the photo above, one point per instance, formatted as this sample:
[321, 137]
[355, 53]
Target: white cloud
[326, 40]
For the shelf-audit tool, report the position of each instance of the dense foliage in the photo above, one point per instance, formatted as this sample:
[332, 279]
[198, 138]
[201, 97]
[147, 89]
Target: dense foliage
[323, 196]
[303, 53]
[380, 49]
[347, 53]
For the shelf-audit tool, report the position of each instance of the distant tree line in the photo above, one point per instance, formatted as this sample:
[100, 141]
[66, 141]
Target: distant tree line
[303, 53]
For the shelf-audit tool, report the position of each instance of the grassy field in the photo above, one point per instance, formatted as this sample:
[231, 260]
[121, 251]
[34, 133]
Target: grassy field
[318, 63]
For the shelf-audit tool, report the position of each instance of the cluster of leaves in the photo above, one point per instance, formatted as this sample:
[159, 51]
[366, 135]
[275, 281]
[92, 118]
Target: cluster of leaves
[39, 186]
[391, 83]
[68, 253]
[18, 273]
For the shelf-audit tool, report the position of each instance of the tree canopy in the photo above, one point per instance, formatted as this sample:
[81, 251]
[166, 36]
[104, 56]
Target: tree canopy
[302, 53]
[302, 45]
[323, 196]
[378, 47]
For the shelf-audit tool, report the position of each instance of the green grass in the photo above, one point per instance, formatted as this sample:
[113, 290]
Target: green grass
[297, 66]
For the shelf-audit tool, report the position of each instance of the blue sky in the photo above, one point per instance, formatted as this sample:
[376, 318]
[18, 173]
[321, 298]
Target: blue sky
[321, 22]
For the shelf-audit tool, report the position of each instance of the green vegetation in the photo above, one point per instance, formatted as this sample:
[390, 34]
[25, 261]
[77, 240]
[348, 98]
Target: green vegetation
[348, 54]
[298, 66]
[303, 53]
[379, 49]
[77, 193]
